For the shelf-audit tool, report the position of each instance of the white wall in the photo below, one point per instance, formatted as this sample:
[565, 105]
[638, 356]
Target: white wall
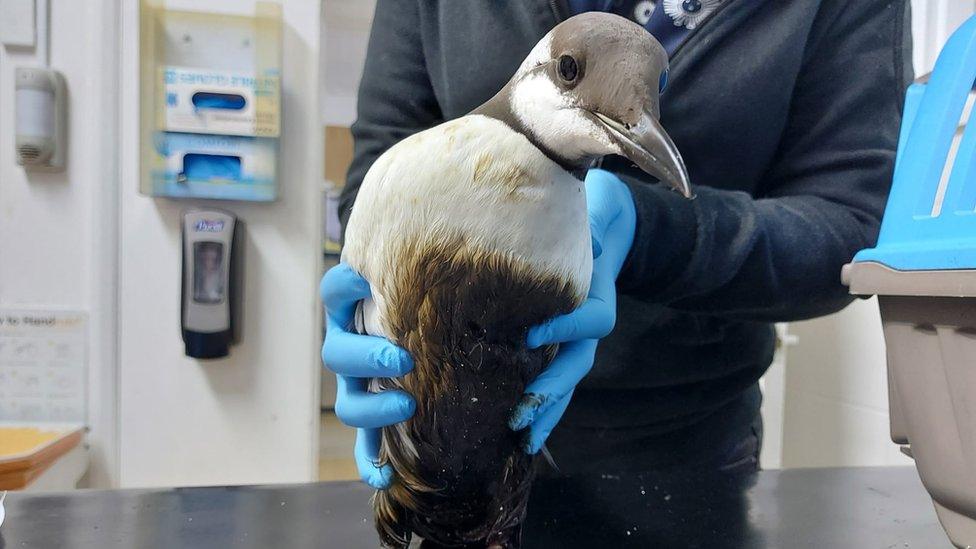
[836, 400]
[345, 34]
[86, 240]
[932, 23]
[58, 231]
[252, 417]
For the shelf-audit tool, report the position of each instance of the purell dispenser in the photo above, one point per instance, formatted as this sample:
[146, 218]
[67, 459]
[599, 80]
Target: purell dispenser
[212, 282]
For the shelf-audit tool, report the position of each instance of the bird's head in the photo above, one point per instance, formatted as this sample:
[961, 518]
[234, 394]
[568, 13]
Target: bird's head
[591, 87]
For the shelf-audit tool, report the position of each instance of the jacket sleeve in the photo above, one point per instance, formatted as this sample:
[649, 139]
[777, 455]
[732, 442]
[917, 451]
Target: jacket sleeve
[778, 256]
[395, 99]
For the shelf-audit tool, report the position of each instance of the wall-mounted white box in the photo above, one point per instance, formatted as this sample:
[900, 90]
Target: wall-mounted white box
[18, 27]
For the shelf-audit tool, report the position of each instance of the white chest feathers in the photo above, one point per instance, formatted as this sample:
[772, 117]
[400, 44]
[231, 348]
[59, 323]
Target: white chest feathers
[471, 182]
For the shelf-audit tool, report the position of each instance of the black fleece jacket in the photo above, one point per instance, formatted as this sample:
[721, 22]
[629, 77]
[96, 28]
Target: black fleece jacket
[787, 115]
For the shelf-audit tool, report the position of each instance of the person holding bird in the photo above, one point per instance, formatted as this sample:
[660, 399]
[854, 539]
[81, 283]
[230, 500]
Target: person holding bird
[660, 308]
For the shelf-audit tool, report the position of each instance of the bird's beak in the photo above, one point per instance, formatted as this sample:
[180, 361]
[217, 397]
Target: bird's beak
[651, 148]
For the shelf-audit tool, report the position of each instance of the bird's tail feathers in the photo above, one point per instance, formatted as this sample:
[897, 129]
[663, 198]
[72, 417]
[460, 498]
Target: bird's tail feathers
[392, 520]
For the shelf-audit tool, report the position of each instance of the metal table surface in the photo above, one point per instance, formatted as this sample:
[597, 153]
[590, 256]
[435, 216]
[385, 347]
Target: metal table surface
[859, 508]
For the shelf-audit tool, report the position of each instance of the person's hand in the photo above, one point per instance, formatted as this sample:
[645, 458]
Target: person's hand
[355, 358]
[613, 222]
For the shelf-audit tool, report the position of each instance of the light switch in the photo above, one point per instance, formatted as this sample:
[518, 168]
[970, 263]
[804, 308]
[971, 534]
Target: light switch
[17, 23]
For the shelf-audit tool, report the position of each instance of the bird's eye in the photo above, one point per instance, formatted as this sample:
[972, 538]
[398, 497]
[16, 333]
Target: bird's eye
[568, 69]
[662, 84]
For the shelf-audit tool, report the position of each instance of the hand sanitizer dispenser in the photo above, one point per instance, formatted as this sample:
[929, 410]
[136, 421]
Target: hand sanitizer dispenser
[212, 281]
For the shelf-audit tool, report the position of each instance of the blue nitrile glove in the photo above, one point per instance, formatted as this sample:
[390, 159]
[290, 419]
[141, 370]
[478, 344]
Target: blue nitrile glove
[613, 222]
[355, 358]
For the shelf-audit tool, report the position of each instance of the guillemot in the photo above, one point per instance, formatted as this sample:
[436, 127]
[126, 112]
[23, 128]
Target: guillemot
[473, 231]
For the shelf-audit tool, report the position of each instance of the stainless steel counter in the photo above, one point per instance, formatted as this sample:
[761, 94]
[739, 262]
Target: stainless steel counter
[858, 508]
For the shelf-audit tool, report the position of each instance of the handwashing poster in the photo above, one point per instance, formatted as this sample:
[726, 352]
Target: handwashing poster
[43, 357]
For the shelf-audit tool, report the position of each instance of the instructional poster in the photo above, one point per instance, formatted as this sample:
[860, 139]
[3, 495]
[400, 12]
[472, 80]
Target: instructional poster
[43, 359]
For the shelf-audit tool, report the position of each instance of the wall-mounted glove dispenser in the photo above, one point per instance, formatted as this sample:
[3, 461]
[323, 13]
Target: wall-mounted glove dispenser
[210, 127]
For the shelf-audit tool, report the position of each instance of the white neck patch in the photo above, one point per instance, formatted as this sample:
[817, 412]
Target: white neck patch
[548, 114]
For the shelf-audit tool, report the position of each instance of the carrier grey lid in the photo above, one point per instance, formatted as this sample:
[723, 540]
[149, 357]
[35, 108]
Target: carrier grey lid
[866, 278]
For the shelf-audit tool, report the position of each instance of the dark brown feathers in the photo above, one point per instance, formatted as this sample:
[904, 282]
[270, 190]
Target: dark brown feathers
[461, 476]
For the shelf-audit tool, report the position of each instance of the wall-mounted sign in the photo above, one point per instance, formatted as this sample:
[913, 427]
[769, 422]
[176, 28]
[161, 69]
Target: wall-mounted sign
[43, 360]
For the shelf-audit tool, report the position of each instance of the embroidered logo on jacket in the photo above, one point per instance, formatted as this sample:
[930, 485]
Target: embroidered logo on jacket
[689, 13]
